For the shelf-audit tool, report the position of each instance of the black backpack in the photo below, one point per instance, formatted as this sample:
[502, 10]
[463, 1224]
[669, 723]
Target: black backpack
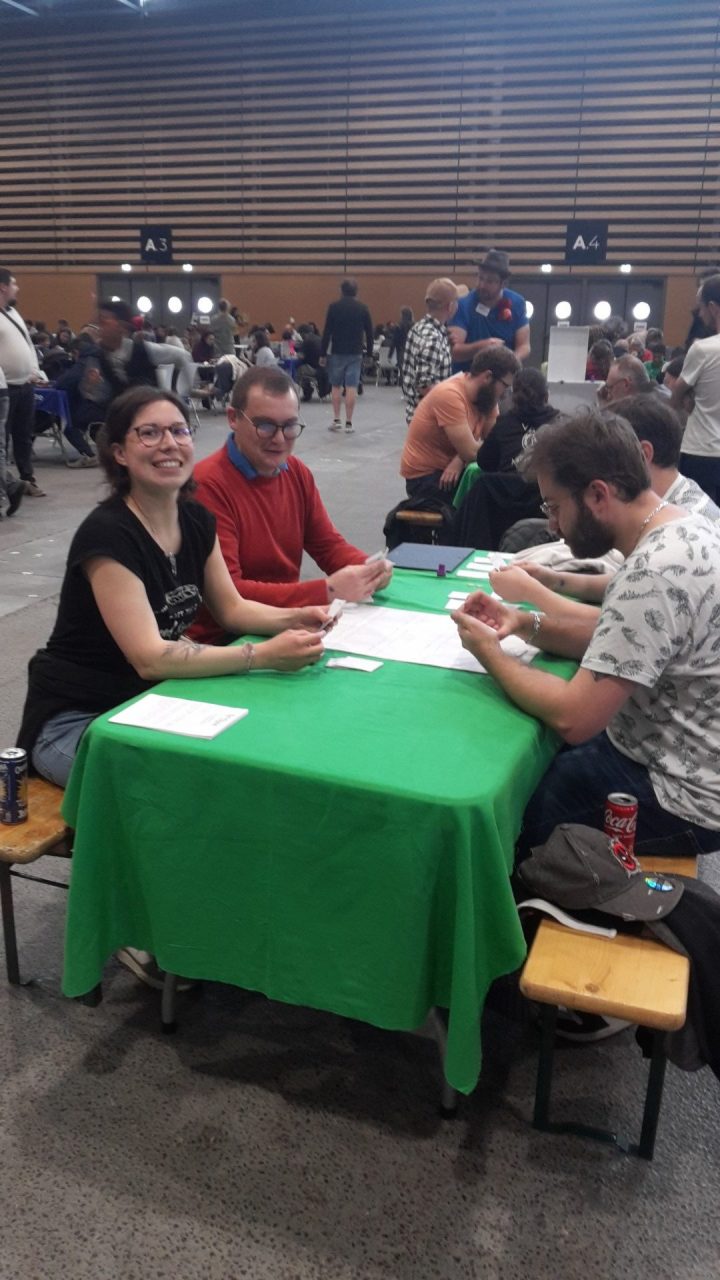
[396, 531]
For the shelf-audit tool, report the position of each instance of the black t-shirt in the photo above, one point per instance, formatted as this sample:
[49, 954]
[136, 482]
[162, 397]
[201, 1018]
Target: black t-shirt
[511, 435]
[82, 668]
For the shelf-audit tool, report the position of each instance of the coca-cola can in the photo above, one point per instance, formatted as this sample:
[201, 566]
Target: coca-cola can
[621, 813]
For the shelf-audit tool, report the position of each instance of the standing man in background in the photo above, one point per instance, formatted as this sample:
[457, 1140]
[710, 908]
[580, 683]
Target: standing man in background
[490, 316]
[348, 328]
[19, 362]
[222, 326]
[428, 358]
[700, 457]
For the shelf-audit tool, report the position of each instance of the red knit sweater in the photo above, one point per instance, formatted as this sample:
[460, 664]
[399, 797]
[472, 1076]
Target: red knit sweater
[264, 525]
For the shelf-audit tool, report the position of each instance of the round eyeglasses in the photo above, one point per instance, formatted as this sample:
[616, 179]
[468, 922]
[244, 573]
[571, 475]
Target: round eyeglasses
[267, 429]
[150, 433]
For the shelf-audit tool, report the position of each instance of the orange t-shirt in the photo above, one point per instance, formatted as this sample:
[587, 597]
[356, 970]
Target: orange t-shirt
[427, 445]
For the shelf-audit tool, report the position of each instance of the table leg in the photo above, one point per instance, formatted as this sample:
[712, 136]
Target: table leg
[168, 1005]
[8, 919]
[653, 1098]
[437, 1026]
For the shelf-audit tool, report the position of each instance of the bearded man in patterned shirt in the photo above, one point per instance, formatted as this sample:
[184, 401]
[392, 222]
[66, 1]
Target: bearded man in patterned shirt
[642, 713]
[427, 357]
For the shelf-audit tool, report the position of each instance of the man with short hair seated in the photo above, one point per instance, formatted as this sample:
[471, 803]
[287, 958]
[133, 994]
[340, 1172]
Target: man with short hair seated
[642, 713]
[449, 423]
[268, 509]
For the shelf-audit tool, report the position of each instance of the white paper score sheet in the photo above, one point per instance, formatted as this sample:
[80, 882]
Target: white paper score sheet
[179, 715]
[403, 635]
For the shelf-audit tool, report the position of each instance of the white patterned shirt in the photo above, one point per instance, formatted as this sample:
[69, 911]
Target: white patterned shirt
[658, 627]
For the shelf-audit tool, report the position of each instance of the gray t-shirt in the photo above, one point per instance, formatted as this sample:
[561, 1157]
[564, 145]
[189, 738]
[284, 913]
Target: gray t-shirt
[658, 627]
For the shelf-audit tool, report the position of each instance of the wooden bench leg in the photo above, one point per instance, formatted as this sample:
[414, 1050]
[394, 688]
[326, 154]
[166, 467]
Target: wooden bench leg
[8, 919]
[653, 1097]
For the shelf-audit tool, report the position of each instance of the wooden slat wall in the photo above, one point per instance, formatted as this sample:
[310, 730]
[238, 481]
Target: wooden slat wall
[400, 138]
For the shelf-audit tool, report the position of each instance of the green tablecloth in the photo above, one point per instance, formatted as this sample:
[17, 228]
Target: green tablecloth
[346, 846]
[468, 478]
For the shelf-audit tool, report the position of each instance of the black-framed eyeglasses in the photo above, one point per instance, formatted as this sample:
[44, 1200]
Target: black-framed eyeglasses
[267, 429]
[151, 433]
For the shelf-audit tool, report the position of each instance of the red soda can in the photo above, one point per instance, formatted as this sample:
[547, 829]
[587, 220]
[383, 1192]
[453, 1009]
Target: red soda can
[621, 818]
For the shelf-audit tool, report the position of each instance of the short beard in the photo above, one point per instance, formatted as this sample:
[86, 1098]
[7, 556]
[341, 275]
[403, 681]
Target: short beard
[485, 398]
[589, 538]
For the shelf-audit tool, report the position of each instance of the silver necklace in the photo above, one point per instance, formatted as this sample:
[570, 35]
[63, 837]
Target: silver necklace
[654, 512]
[169, 555]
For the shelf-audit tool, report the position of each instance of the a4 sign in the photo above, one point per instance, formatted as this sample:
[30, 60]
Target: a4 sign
[586, 242]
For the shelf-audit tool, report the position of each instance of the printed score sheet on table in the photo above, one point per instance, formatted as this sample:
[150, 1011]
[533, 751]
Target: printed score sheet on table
[179, 715]
[403, 635]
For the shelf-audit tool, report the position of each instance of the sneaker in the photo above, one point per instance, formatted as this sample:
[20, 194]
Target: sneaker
[145, 967]
[85, 460]
[15, 497]
[349, 428]
[335, 425]
[32, 488]
[585, 1028]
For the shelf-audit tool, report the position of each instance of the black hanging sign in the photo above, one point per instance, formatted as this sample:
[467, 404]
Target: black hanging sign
[586, 242]
[156, 244]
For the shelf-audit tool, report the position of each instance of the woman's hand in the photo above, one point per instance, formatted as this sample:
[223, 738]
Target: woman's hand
[549, 578]
[312, 617]
[289, 651]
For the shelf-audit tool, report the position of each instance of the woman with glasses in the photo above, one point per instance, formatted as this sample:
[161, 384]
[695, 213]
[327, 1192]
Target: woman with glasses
[138, 569]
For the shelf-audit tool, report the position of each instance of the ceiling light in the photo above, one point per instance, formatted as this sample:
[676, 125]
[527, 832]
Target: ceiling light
[115, 298]
[205, 305]
[563, 311]
[626, 268]
[144, 304]
[641, 310]
[187, 266]
[602, 311]
[174, 305]
[125, 266]
[546, 268]
[529, 309]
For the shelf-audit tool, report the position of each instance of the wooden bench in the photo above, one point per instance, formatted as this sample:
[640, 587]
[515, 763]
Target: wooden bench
[44, 833]
[421, 520]
[636, 979]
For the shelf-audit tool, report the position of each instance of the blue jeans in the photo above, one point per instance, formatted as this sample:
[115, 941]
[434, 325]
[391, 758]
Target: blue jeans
[57, 743]
[344, 370]
[575, 789]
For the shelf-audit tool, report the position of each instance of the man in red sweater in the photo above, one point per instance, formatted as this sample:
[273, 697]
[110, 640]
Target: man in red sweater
[269, 511]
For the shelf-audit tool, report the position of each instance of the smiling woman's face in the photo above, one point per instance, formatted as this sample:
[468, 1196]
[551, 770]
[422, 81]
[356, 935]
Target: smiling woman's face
[166, 463]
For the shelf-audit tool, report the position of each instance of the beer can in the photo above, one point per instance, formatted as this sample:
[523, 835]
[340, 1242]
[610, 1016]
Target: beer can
[621, 818]
[13, 785]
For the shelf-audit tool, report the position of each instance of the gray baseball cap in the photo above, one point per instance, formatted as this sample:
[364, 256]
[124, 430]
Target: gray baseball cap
[583, 869]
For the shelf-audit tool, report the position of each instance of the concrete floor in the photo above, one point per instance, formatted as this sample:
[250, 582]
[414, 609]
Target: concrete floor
[277, 1143]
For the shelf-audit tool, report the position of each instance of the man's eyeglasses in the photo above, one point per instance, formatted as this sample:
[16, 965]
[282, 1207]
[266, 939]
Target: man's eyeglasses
[151, 433]
[549, 509]
[266, 429]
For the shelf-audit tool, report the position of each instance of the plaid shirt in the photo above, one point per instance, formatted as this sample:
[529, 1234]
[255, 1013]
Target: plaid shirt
[427, 360]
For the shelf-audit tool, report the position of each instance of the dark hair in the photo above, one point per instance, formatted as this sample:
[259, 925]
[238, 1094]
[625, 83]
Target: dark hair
[260, 338]
[590, 446]
[5, 275]
[120, 417]
[654, 335]
[655, 422]
[407, 318]
[529, 391]
[349, 287]
[120, 310]
[710, 291]
[274, 382]
[614, 328]
[601, 354]
[674, 367]
[500, 361]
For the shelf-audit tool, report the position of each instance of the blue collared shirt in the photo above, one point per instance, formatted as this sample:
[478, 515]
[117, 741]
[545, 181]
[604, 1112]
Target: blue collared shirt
[238, 459]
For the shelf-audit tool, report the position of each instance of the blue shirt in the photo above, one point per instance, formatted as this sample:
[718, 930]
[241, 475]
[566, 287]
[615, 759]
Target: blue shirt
[238, 459]
[478, 326]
